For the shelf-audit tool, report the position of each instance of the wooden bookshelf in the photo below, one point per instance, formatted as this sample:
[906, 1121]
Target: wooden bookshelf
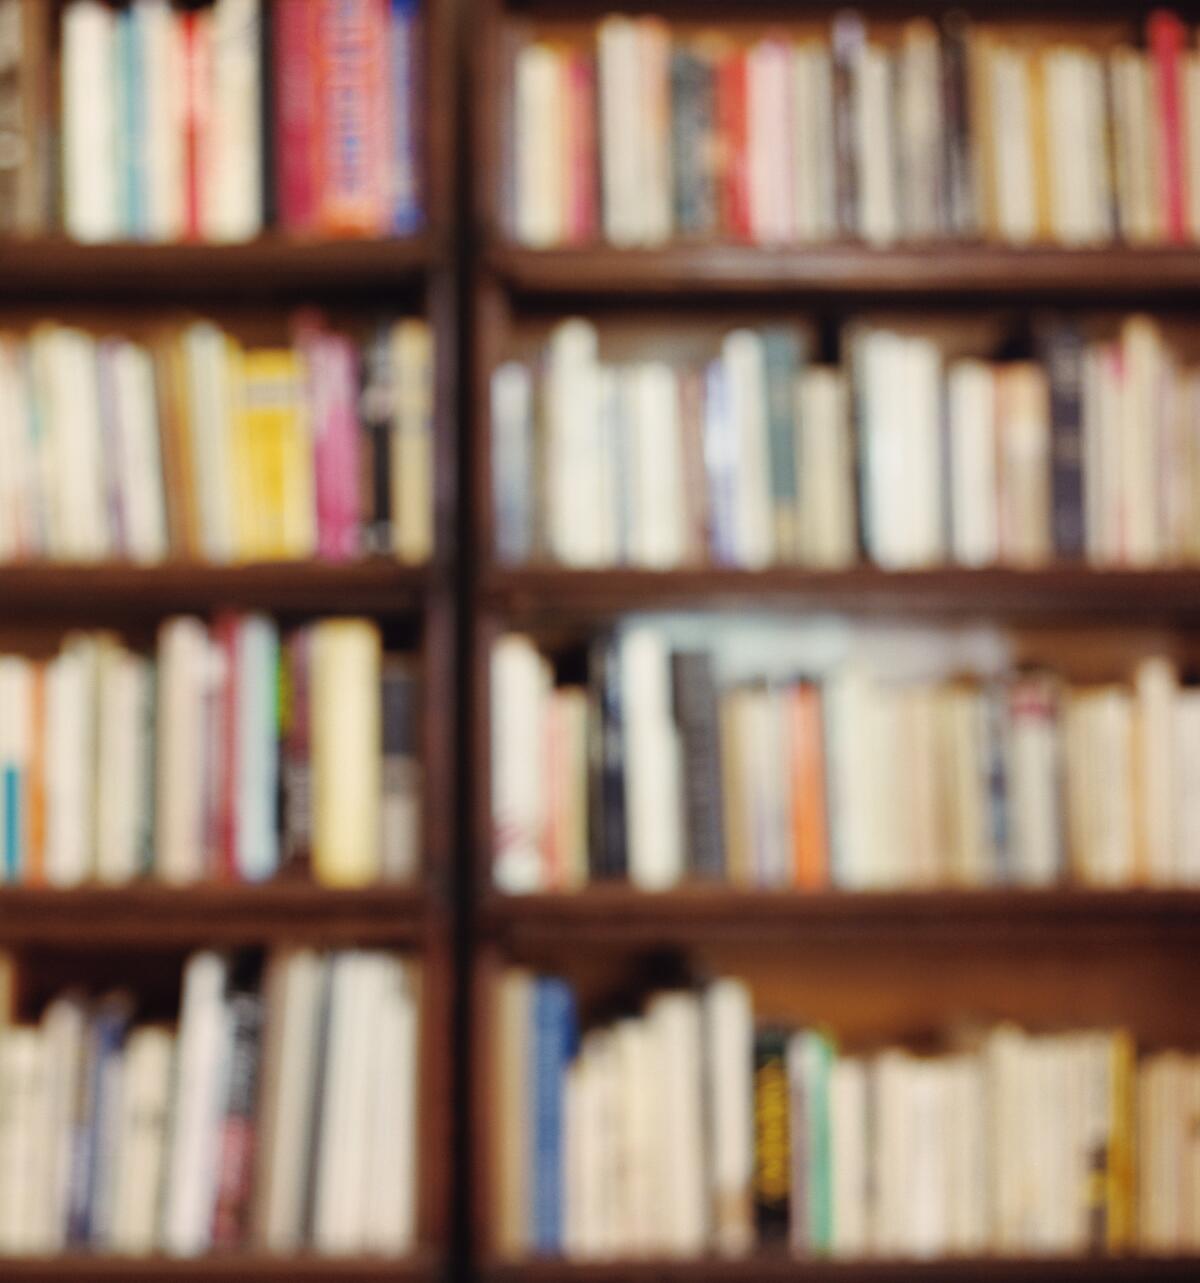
[231, 1268]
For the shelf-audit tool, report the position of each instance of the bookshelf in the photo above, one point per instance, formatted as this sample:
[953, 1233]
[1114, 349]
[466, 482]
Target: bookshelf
[139, 935]
[873, 963]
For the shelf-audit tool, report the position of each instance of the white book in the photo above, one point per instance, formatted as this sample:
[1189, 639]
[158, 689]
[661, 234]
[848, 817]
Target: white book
[729, 1055]
[574, 1176]
[974, 490]
[878, 213]
[70, 763]
[123, 714]
[17, 477]
[621, 131]
[210, 407]
[69, 405]
[196, 1101]
[339, 1177]
[742, 353]
[652, 767]
[291, 1057]
[142, 1140]
[674, 1022]
[161, 39]
[659, 511]
[574, 447]
[813, 165]
[538, 129]
[392, 1184]
[968, 1139]
[769, 72]
[1186, 769]
[1016, 185]
[64, 1026]
[91, 200]
[825, 462]
[140, 464]
[184, 658]
[651, 135]
[1068, 160]
[848, 1157]
[925, 490]
[1157, 691]
[233, 192]
[24, 1135]
[1034, 787]
[613, 475]
[521, 682]
[849, 696]
[641, 1197]
[1098, 202]
[256, 836]
[1142, 350]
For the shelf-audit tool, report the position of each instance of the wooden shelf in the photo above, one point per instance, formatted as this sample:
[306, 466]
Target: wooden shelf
[765, 1266]
[150, 914]
[270, 266]
[845, 271]
[1055, 592]
[231, 1268]
[623, 916]
[377, 586]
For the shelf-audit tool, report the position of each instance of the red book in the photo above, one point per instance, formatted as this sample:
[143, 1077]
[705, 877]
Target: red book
[197, 115]
[355, 114]
[1167, 37]
[734, 184]
[294, 40]
[582, 160]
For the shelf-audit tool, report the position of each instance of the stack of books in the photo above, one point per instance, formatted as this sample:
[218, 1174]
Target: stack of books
[234, 753]
[188, 444]
[212, 122]
[689, 1127]
[641, 132]
[279, 1115]
[742, 452]
[659, 771]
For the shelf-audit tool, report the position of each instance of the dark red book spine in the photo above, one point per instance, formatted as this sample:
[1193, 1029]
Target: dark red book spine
[1167, 37]
[731, 126]
[295, 113]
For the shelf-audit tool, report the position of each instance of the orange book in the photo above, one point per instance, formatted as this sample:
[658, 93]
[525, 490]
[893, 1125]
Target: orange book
[809, 834]
[34, 871]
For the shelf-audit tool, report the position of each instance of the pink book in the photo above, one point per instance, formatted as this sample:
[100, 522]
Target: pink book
[332, 363]
[1167, 37]
[295, 124]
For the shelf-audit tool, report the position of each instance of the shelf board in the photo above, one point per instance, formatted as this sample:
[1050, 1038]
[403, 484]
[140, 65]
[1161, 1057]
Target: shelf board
[782, 1266]
[1053, 592]
[376, 586]
[620, 915]
[841, 271]
[272, 264]
[230, 1268]
[151, 914]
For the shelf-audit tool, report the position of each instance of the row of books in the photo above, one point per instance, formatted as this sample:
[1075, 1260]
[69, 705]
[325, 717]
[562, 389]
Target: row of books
[659, 772]
[211, 122]
[231, 754]
[692, 1125]
[641, 131]
[279, 1113]
[188, 444]
[740, 451]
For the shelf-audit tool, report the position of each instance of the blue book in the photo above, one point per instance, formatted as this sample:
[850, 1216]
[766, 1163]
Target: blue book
[406, 94]
[131, 121]
[555, 1034]
[12, 808]
[257, 852]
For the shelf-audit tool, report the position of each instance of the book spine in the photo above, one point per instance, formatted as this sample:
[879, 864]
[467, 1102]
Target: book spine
[197, 124]
[783, 359]
[238, 1128]
[332, 397]
[555, 1036]
[406, 92]
[1063, 356]
[583, 214]
[296, 751]
[849, 39]
[731, 125]
[400, 833]
[772, 1161]
[1167, 38]
[614, 862]
[295, 112]
[378, 411]
[695, 701]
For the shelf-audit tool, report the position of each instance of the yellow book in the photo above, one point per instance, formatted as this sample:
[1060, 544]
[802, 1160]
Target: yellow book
[242, 486]
[346, 751]
[412, 438]
[278, 483]
[1122, 1193]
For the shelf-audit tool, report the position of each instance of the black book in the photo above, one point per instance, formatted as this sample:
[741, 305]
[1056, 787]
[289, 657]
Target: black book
[695, 702]
[958, 199]
[607, 854]
[772, 1139]
[693, 126]
[1063, 351]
